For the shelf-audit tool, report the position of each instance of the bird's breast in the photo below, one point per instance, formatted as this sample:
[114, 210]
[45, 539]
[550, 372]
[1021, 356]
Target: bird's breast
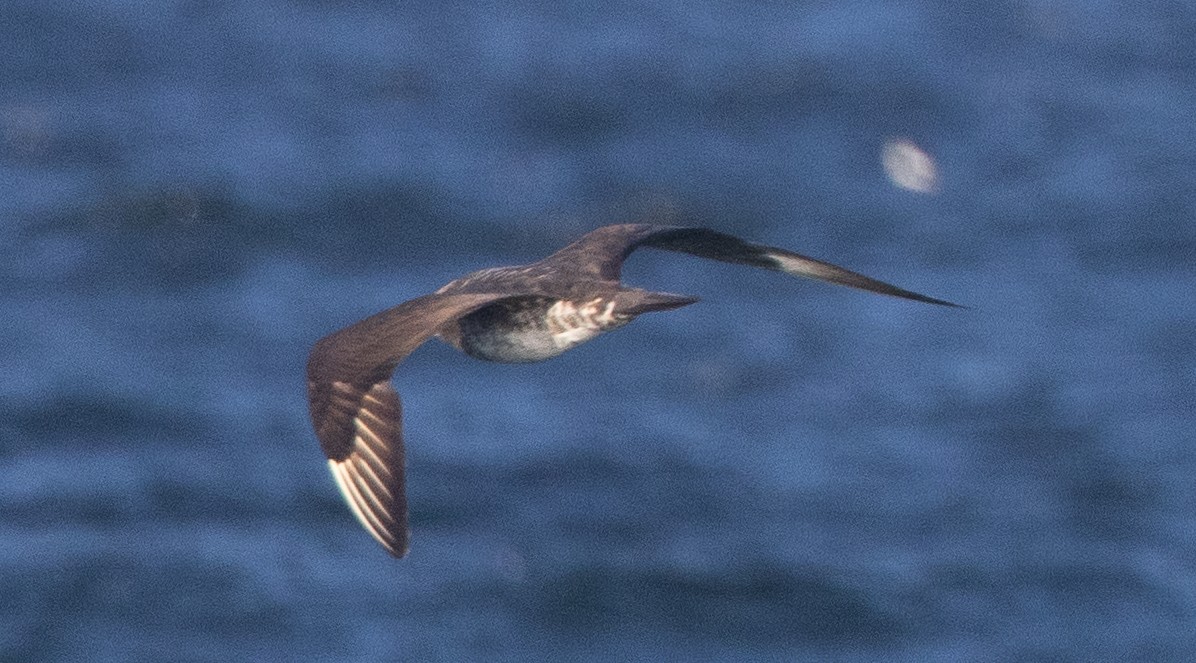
[535, 328]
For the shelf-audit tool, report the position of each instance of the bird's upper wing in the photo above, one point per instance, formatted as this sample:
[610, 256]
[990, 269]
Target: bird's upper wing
[600, 254]
[357, 415]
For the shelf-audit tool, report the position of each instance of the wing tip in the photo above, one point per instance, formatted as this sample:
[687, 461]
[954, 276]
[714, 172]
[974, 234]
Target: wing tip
[926, 299]
[395, 540]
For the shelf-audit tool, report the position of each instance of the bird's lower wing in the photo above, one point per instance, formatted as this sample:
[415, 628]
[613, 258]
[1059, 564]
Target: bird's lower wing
[357, 415]
[370, 472]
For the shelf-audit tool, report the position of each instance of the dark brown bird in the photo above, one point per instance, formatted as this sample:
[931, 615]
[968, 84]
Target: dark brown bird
[505, 314]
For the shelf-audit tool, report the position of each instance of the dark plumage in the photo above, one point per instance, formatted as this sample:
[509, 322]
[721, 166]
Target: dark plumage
[507, 314]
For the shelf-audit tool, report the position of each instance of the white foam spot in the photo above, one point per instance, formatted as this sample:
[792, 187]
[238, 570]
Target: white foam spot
[909, 166]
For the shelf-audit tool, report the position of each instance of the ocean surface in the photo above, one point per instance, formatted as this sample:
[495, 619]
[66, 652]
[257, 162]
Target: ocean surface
[193, 191]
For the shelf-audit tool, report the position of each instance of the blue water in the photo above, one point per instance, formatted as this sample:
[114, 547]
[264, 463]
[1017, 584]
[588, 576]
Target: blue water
[192, 192]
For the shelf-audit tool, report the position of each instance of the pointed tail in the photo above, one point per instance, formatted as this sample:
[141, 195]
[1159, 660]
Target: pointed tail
[634, 301]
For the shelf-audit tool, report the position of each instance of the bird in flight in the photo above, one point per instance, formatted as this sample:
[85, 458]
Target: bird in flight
[505, 314]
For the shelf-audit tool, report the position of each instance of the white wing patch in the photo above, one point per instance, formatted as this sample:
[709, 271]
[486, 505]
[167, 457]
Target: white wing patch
[806, 267]
[824, 271]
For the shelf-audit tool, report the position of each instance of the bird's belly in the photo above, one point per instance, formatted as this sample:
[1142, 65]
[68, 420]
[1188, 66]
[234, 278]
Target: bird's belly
[534, 330]
[512, 346]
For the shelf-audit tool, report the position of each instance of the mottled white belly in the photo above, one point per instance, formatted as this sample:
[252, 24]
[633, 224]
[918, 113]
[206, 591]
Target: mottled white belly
[526, 333]
[511, 346]
[573, 324]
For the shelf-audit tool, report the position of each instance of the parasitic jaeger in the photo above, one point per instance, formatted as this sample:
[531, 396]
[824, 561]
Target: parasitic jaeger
[505, 314]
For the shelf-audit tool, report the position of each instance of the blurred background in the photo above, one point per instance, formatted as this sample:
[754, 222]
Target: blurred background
[192, 192]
